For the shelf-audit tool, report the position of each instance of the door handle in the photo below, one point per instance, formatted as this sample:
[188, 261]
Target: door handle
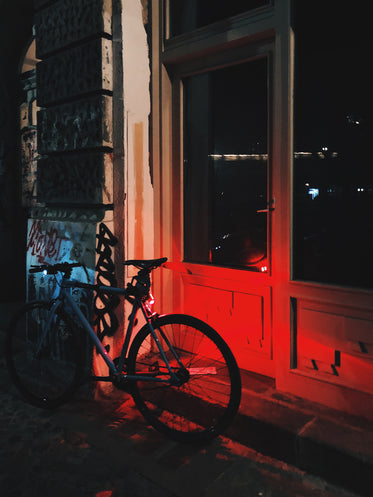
[269, 208]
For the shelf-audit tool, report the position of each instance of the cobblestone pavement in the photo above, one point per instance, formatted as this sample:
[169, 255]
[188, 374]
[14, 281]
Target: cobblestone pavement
[43, 454]
[104, 449]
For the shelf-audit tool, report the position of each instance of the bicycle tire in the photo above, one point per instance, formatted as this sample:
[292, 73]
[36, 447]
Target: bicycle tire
[48, 378]
[206, 403]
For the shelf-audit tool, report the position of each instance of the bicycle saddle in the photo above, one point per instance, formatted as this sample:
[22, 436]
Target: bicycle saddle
[148, 264]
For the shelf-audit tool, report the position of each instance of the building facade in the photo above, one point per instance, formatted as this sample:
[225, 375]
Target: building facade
[261, 125]
[231, 137]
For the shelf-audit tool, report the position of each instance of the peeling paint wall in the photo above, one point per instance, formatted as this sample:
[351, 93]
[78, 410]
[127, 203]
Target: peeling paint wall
[139, 190]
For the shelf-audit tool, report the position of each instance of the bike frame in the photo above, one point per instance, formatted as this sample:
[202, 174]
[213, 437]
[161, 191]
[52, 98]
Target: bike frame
[137, 303]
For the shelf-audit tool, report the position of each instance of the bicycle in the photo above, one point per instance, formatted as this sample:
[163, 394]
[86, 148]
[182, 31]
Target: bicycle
[181, 374]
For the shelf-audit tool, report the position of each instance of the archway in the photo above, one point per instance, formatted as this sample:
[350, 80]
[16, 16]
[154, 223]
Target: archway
[16, 19]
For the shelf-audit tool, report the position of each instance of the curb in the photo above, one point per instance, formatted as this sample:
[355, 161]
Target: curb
[340, 452]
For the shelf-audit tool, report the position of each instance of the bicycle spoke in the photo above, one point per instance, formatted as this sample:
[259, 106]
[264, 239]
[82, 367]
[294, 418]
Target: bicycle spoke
[208, 393]
[45, 364]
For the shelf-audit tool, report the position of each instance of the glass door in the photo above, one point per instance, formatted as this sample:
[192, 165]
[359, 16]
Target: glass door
[215, 169]
[226, 194]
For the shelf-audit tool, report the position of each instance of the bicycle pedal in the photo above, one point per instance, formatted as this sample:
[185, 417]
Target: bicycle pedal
[121, 383]
[116, 362]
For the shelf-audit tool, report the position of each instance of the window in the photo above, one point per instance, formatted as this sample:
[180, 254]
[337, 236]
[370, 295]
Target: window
[225, 166]
[333, 173]
[187, 15]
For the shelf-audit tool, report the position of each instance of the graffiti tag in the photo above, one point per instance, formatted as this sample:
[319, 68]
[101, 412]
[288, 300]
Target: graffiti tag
[44, 245]
[106, 321]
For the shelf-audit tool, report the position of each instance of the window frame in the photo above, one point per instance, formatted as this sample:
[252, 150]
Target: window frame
[256, 25]
[250, 54]
[240, 18]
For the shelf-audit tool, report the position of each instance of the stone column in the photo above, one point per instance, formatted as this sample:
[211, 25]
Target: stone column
[75, 145]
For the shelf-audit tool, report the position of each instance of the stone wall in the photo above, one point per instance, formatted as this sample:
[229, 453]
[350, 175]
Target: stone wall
[74, 93]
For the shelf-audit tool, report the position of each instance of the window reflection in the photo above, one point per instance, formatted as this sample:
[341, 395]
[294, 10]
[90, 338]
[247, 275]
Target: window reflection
[333, 177]
[225, 166]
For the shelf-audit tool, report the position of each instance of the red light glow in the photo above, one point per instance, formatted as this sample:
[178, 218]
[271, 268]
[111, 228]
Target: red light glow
[151, 300]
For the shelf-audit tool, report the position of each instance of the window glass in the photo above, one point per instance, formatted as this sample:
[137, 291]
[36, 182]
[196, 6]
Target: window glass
[186, 15]
[225, 166]
[333, 174]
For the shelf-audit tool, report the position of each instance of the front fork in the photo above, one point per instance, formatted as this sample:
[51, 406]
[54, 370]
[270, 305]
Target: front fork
[182, 375]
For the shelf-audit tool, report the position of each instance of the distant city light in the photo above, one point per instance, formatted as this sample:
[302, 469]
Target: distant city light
[235, 157]
[264, 157]
[353, 120]
[302, 155]
[314, 192]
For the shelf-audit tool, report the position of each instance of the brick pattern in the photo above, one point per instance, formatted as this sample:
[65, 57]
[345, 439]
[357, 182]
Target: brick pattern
[84, 124]
[79, 71]
[74, 91]
[68, 22]
[83, 178]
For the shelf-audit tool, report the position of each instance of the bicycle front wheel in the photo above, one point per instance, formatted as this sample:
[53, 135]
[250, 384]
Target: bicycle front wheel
[45, 364]
[207, 395]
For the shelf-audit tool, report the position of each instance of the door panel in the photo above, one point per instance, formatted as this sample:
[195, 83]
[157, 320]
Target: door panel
[241, 313]
[335, 344]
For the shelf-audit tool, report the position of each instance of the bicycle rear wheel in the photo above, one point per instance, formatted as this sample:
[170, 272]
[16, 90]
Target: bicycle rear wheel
[45, 365]
[209, 394]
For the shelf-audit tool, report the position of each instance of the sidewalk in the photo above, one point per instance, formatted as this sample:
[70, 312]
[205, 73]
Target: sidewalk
[317, 440]
[312, 437]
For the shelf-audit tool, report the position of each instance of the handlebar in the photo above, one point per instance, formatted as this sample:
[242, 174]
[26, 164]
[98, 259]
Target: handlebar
[65, 267]
[62, 267]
